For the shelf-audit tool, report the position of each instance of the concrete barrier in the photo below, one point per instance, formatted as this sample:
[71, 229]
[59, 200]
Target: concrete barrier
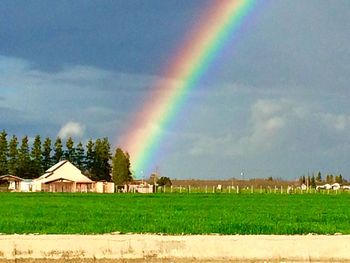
[157, 248]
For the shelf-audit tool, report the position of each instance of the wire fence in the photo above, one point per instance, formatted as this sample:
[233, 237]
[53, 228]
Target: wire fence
[246, 190]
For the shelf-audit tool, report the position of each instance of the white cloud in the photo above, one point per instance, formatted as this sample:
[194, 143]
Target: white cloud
[339, 123]
[268, 117]
[266, 108]
[268, 124]
[71, 129]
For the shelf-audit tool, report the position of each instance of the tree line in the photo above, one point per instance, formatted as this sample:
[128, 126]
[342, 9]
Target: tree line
[314, 179]
[18, 157]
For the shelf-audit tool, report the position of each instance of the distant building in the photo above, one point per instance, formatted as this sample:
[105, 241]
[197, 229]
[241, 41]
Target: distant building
[139, 186]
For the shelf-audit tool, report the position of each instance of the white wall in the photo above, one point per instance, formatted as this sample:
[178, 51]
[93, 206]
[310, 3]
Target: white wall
[25, 186]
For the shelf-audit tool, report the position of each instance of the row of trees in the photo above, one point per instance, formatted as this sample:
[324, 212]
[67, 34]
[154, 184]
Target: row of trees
[93, 159]
[317, 179]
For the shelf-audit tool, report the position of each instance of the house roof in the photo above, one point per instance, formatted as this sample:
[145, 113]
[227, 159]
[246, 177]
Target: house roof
[9, 177]
[65, 171]
[56, 166]
[50, 171]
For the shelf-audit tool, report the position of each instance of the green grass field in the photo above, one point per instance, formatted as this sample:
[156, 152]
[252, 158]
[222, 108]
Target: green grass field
[57, 213]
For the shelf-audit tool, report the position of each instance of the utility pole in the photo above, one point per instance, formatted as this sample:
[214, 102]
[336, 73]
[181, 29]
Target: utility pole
[242, 175]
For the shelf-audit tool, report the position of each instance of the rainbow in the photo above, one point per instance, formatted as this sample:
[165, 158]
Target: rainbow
[216, 25]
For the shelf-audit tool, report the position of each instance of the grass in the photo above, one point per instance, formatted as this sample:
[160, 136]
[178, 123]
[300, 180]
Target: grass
[64, 213]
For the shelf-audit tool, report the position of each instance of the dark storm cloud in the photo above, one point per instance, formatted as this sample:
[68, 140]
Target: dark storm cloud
[128, 36]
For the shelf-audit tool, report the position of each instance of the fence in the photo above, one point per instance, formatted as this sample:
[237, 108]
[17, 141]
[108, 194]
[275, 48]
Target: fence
[246, 190]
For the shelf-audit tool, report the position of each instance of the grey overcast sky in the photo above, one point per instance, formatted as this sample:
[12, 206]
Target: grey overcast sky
[275, 102]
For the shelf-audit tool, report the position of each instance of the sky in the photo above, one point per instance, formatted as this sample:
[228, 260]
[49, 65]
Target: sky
[274, 102]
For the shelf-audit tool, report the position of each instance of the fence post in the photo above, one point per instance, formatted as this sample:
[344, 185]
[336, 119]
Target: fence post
[213, 189]
[164, 188]
[189, 189]
[251, 189]
[281, 189]
[171, 189]
[237, 189]
[206, 189]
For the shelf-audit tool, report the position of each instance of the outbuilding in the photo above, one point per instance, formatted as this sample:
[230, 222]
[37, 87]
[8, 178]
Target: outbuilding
[10, 183]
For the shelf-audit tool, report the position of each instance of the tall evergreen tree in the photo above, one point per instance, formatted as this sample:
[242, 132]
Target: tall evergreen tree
[101, 169]
[313, 181]
[36, 155]
[90, 157]
[58, 151]
[105, 158]
[3, 153]
[13, 156]
[24, 162]
[319, 177]
[128, 163]
[70, 151]
[121, 173]
[46, 154]
[79, 159]
[339, 179]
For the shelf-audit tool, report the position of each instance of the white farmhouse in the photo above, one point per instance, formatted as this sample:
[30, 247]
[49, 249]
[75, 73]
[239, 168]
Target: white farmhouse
[63, 177]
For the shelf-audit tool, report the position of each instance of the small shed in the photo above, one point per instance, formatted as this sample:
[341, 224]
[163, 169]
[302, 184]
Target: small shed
[10, 183]
[26, 185]
[104, 187]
